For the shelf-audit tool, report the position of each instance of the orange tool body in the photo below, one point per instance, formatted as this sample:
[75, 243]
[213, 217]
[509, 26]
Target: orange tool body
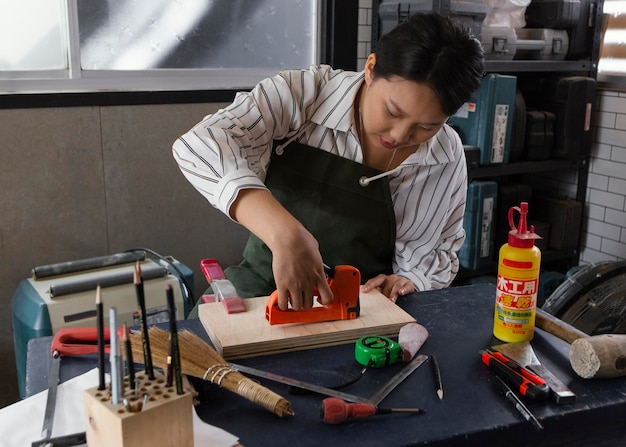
[344, 282]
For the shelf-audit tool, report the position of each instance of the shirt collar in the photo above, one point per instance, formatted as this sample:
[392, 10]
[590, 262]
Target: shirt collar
[334, 105]
[334, 109]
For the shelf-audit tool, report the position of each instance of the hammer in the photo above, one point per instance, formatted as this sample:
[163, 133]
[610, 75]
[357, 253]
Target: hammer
[591, 356]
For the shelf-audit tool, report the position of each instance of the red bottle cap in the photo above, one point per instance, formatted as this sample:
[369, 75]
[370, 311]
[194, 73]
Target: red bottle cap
[520, 236]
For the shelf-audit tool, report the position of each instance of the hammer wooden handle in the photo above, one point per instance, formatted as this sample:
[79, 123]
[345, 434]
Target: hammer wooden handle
[596, 356]
[557, 327]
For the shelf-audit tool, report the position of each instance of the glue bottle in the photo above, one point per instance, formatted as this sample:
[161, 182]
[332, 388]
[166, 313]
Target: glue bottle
[518, 280]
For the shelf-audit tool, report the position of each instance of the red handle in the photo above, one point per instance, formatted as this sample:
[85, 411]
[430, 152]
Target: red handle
[335, 410]
[515, 378]
[212, 269]
[534, 378]
[77, 341]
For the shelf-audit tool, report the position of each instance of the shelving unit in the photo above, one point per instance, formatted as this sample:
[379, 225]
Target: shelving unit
[560, 260]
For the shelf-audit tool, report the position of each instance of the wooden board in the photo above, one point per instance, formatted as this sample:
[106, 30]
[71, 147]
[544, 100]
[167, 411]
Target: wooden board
[249, 334]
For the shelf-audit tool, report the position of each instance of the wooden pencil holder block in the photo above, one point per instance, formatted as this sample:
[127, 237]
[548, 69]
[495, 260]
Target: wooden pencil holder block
[164, 420]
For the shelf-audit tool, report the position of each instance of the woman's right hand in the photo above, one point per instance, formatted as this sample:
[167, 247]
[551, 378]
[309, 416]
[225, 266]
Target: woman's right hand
[297, 263]
[298, 270]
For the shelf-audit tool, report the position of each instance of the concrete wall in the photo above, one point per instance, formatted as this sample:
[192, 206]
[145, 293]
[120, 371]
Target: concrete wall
[79, 182]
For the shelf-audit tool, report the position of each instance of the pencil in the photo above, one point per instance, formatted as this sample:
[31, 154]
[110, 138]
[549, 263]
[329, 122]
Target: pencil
[141, 302]
[174, 343]
[169, 375]
[114, 357]
[100, 328]
[129, 359]
[437, 372]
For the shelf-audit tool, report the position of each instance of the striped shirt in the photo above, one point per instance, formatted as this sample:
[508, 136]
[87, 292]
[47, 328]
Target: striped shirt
[230, 150]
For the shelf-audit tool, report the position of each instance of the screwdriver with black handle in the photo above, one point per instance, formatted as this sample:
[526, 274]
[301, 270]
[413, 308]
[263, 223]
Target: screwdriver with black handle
[336, 411]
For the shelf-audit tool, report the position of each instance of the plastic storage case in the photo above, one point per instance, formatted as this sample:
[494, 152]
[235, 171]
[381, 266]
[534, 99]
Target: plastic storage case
[487, 120]
[470, 12]
[478, 224]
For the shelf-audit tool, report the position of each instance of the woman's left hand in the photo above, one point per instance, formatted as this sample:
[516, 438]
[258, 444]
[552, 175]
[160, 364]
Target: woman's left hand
[392, 286]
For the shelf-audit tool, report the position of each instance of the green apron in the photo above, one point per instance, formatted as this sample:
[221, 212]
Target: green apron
[353, 224]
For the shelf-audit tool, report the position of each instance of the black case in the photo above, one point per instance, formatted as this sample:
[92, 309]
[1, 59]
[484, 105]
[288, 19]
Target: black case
[518, 132]
[571, 101]
[575, 16]
[564, 216]
[539, 135]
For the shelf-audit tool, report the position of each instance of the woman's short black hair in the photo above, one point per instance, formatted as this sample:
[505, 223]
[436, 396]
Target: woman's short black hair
[436, 50]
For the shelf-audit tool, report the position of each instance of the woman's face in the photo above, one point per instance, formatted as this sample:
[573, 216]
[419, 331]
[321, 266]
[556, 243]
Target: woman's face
[398, 114]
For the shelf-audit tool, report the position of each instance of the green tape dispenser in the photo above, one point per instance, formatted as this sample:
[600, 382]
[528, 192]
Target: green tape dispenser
[377, 351]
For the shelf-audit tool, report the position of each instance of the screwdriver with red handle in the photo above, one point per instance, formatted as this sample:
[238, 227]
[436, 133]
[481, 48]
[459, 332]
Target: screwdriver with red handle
[336, 411]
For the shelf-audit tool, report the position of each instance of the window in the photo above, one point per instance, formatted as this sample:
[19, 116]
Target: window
[87, 45]
[612, 64]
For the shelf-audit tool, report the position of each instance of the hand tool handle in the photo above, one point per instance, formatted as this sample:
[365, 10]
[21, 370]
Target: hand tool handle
[335, 410]
[212, 269]
[77, 341]
[525, 386]
[557, 327]
[530, 375]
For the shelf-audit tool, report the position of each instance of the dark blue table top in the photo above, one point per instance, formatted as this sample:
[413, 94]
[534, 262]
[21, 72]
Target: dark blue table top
[472, 412]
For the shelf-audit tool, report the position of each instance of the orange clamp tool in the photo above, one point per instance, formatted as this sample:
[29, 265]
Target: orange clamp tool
[344, 283]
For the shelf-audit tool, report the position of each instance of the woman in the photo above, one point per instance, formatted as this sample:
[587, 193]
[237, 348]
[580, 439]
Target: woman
[332, 167]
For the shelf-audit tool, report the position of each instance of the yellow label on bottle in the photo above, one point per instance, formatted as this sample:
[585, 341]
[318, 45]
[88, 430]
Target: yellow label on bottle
[516, 294]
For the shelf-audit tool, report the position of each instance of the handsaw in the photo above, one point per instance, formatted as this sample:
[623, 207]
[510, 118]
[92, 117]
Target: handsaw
[524, 354]
[66, 342]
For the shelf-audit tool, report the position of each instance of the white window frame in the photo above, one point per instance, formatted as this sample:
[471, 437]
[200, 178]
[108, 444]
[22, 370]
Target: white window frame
[611, 80]
[74, 79]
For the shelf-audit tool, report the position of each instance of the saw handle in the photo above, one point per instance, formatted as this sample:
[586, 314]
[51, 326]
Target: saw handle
[557, 327]
[77, 341]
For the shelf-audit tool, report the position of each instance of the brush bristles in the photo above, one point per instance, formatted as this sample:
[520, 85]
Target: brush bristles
[199, 359]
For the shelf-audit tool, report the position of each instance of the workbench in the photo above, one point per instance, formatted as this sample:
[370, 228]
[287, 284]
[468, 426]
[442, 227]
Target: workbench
[471, 413]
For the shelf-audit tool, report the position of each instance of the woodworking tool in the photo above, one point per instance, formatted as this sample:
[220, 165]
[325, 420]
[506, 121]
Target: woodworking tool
[345, 284]
[66, 342]
[336, 411]
[300, 384]
[519, 406]
[514, 377]
[223, 290]
[377, 351]
[374, 400]
[398, 378]
[524, 354]
[591, 356]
